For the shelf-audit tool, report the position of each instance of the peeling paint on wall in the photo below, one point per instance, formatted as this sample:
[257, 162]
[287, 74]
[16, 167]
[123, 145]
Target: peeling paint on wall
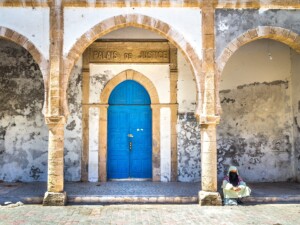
[73, 129]
[188, 144]
[23, 133]
[255, 132]
[295, 58]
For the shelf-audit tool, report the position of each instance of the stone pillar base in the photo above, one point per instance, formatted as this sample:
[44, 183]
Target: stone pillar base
[55, 199]
[209, 198]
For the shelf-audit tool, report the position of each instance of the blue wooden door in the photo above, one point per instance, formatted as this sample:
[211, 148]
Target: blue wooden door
[129, 132]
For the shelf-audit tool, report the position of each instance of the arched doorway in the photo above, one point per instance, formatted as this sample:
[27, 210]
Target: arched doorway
[129, 132]
[259, 92]
[23, 132]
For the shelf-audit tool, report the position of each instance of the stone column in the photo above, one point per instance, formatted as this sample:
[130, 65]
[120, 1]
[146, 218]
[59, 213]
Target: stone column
[55, 119]
[174, 110]
[85, 124]
[208, 195]
[55, 194]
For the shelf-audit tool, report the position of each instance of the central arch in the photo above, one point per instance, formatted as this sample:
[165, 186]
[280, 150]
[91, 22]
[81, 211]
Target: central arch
[139, 21]
[130, 75]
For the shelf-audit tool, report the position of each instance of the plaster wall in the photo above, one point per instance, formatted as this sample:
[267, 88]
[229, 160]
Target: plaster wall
[295, 57]
[165, 143]
[255, 132]
[93, 144]
[32, 23]
[186, 86]
[100, 74]
[184, 20]
[23, 133]
[231, 23]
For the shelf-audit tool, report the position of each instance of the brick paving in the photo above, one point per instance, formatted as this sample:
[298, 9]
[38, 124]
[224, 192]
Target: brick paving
[279, 214]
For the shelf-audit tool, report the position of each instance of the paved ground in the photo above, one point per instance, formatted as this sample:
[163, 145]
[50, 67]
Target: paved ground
[153, 191]
[116, 188]
[286, 214]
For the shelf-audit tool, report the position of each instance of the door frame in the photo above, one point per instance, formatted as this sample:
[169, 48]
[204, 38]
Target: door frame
[155, 107]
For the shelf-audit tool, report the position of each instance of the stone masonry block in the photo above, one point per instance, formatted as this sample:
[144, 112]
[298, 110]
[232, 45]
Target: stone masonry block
[55, 199]
[209, 198]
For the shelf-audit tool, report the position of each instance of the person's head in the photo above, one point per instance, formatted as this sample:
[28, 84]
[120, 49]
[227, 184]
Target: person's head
[233, 176]
[232, 169]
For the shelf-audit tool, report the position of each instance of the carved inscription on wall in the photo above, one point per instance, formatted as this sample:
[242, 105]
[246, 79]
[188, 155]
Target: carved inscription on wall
[129, 52]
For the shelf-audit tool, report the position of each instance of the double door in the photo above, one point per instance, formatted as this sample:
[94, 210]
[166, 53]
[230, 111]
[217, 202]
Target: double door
[129, 142]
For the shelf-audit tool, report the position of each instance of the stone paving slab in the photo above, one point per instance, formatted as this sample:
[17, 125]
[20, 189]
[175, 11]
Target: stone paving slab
[280, 214]
[141, 192]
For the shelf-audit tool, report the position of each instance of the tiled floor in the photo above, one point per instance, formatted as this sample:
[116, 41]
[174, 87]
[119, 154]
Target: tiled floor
[34, 192]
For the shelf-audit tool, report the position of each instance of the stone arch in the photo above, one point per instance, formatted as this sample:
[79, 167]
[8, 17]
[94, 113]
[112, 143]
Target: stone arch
[155, 105]
[280, 34]
[43, 64]
[130, 75]
[139, 21]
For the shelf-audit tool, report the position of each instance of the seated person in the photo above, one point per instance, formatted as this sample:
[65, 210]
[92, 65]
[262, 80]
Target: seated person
[234, 187]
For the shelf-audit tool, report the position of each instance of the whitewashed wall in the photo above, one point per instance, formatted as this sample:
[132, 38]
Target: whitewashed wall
[33, 23]
[186, 86]
[93, 144]
[101, 74]
[165, 143]
[184, 20]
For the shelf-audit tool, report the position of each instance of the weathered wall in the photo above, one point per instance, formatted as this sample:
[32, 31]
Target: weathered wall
[255, 132]
[188, 129]
[23, 133]
[188, 144]
[231, 23]
[73, 128]
[296, 108]
[18, 19]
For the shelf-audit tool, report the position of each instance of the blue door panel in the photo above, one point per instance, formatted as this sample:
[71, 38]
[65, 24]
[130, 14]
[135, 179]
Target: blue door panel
[129, 113]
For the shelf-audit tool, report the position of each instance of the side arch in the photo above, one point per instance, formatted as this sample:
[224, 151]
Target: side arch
[43, 64]
[140, 21]
[280, 34]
